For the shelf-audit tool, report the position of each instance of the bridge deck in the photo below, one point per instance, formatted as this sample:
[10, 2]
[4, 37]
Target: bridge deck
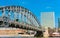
[25, 25]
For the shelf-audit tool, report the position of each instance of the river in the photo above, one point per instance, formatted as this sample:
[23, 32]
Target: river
[28, 37]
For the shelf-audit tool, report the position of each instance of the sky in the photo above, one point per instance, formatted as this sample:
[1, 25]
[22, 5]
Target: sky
[37, 6]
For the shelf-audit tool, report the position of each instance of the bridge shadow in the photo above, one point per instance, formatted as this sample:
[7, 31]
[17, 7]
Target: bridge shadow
[38, 34]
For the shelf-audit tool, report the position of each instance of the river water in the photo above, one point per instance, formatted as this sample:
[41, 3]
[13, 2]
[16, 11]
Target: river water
[29, 37]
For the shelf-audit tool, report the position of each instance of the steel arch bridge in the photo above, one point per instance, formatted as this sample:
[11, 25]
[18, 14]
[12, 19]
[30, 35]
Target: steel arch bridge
[19, 17]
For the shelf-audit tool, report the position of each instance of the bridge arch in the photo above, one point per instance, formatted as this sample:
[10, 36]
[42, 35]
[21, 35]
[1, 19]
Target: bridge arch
[19, 14]
[19, 17]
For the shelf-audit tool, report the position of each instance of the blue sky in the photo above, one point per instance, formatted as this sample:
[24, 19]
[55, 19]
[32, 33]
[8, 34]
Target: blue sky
[36, 6]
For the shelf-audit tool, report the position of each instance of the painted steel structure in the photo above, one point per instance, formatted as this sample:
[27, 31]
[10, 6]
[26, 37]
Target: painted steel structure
[19, 16]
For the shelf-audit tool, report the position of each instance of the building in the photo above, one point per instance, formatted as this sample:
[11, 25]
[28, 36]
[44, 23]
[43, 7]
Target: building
[58, 22]
[48, 19]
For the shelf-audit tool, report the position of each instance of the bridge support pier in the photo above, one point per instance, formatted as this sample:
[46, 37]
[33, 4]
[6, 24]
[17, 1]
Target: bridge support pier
[38, 34]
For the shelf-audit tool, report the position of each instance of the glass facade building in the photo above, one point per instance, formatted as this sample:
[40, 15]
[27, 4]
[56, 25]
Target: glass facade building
[48, 19]
[58, 22]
